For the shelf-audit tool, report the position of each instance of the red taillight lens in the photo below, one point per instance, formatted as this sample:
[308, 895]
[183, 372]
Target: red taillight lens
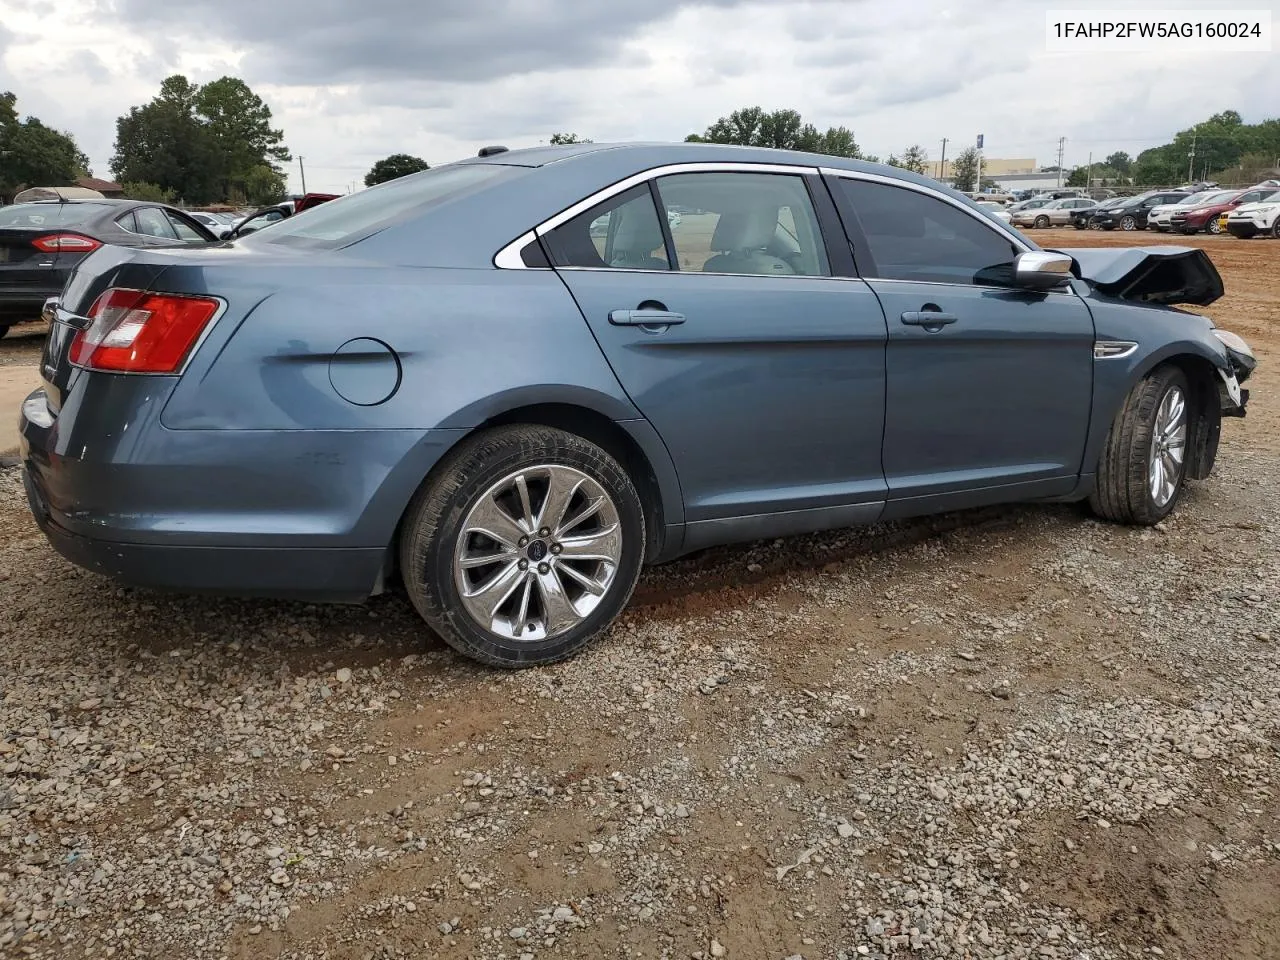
[138, 332]
[66, 243]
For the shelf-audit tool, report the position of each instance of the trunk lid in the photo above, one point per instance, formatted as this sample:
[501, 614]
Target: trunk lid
[21, 262]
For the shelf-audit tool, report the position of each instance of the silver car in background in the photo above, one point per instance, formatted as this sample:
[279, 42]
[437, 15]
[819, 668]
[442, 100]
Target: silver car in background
[1055, 213]
[1161, 218]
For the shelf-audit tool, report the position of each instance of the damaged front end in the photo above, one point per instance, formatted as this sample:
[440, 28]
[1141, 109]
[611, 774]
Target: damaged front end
[1169, 276]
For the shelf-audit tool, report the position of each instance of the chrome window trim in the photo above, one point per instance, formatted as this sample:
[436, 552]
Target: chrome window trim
[1003, 229]
[700, 273]
[508, 258]
[1066, 289]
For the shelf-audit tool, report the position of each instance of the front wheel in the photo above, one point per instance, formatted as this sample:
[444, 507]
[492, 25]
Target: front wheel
[1213, 226]
[1142, 467]
[1275, 229]
[1042, 222]
[524, 546]
[1128, 223]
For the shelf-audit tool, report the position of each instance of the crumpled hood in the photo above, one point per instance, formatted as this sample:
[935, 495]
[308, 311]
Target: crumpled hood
[1165, 275]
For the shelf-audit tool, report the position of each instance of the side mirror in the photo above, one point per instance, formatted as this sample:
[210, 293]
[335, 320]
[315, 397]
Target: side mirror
[1041, 269]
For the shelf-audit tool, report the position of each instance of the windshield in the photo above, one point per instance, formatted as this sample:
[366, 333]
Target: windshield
[358, 215]
[1225, 196]
[1270, 196]
[48, 214]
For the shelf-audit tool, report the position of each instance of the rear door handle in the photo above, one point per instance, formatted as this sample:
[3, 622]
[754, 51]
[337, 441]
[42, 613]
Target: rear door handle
[645, 318]
[928, 318]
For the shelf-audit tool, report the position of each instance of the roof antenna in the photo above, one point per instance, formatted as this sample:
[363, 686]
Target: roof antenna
[491, 151]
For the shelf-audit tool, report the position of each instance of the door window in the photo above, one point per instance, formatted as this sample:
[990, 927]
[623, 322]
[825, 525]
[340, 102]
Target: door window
[153, 223]
[622, 232]
[186, 233]
[913, 236]
[761, 224]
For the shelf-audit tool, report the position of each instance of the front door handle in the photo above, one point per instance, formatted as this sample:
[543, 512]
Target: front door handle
[645, 318]
[928, 318]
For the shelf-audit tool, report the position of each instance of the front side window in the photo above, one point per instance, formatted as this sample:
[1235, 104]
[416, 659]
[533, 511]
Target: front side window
[761, 224]
[622, 232]
[913, 236]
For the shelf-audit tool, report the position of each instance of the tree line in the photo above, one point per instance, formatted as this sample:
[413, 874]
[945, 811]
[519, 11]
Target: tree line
[214, 142]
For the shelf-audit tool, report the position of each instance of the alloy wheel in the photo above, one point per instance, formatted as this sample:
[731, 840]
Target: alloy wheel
[1128, 223]
[537, 552]
[1168, 447]
[1213, 226]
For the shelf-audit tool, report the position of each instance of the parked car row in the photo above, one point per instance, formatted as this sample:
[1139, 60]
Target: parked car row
[1183, 211]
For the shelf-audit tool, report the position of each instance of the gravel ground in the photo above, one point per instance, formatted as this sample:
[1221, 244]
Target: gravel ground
[1014, 732]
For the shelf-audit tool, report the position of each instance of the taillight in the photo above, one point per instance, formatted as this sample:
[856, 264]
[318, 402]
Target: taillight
[133, 331]
[66, 243]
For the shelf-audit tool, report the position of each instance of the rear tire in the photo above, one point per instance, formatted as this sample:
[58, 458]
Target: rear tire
[1041, 222]
[1141, 434]
[533, 603]
[1128, 223]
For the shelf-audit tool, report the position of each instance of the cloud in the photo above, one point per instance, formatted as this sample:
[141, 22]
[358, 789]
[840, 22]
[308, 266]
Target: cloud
[352, 82]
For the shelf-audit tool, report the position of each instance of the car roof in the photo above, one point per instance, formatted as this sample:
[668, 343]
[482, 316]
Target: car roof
[666, 153]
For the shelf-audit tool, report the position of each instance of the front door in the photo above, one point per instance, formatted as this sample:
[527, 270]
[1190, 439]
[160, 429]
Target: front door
[712, 297]
[989, 388]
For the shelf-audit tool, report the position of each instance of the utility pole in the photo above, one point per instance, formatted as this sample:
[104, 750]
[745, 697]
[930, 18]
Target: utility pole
[1061, 144]
[942, 164]
[1088, 175]
[1191, 163]
[302, 170]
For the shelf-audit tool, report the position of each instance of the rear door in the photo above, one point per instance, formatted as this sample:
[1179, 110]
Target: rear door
[988, 387]
[715, 301]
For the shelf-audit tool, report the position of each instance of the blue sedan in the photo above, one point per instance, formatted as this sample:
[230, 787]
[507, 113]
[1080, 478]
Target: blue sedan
[512, 381]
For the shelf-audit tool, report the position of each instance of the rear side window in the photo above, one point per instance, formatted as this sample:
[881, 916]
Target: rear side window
[622, 232]
[913, 236]
[357, 215]
[153, 223]
[759, 224]
[184, 230]
[48, 214]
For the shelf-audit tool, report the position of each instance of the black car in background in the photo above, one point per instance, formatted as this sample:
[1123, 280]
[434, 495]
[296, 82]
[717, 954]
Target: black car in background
[42, 241]
[1126, 213]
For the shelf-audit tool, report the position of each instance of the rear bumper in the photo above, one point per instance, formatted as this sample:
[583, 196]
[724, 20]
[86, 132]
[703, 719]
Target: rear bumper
[25, 303]
[307, 514]
[318, 574]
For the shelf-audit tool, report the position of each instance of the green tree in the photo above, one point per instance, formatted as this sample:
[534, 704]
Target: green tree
[964, 169]
[147, 191]
[393, 167]
[560, 139]
[780, 129]
[203, 143]
[915, 158]
[1119, 161]
[238, 123]
[33, 155]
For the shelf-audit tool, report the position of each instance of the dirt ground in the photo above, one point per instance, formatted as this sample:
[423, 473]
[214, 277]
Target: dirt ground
[1014, 732]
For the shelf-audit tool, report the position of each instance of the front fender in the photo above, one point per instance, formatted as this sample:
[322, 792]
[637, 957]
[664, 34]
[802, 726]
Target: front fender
[1158, 335]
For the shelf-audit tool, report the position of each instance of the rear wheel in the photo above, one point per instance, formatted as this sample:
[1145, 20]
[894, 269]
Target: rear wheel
[1143, 461]
[1042, 222]
[524, 547]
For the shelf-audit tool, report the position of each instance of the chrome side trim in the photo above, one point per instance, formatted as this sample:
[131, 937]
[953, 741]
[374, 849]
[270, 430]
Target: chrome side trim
[1020, 243]
[510, 262]
[1113, 349]
[1065, 291]
[508, 258]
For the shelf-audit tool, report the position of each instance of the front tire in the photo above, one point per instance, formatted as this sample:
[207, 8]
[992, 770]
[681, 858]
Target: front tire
[1041, 222]
[524, 546]
[1213, 226]
[1143, 463]
[1275, 229]
[1128, 223]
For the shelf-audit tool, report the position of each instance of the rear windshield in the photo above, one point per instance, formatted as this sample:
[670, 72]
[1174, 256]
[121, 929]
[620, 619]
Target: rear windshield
[358, 215]
[48, 214]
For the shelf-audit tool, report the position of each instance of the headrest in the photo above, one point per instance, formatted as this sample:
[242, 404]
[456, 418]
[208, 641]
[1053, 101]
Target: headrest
[745, 230]
[638, 232]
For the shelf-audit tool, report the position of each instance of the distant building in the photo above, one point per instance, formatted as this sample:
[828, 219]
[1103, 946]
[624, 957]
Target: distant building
[991, 167]
[112, 191]
[1039, 180]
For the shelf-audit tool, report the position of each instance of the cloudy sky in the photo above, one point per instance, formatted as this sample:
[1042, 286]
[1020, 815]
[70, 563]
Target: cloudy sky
[351, 81]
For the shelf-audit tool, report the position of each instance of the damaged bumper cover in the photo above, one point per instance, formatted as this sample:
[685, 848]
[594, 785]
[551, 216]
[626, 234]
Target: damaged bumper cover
[1242, 364]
